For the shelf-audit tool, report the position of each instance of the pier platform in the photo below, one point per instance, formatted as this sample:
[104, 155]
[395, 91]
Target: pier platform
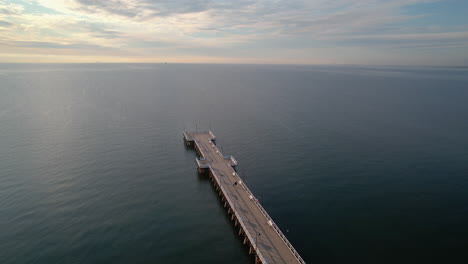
[263, 237]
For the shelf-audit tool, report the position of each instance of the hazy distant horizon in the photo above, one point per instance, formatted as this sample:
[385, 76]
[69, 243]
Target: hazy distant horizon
[266, 64]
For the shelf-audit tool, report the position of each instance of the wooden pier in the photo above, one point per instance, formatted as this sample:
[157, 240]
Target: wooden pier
[265, 240]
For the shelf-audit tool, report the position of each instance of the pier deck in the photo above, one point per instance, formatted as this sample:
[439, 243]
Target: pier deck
[265, 239]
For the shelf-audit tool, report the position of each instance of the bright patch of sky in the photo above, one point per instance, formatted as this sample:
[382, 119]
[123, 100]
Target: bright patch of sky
[33, 7]
[383, 32]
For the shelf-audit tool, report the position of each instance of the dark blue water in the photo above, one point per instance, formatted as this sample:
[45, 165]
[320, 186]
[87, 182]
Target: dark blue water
[355, 164]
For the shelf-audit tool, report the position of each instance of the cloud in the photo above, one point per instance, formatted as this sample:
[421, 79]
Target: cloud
[10, 8]
[6, 11]
[197, 28]
[96, 30]
[406, 40]
[5, 24]
[145, 9]
[52, 45]
[291, 17]
[115, 7]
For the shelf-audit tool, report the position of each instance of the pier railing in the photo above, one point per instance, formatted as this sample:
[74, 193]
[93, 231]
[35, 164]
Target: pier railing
[212, 135]
[231, 158]
[190, 138]
[201, 163]
[271, 222]
[240, 220]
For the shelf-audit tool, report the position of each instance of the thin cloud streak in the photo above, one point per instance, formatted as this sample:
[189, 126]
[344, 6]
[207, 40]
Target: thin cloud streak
[5, 24]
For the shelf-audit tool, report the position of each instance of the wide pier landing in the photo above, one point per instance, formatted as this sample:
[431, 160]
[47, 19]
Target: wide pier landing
[258, 230]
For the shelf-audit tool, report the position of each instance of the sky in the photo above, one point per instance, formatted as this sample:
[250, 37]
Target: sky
[364, 32]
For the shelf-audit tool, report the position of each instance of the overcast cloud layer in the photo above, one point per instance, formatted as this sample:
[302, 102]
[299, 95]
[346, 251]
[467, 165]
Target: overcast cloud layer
[396, 32]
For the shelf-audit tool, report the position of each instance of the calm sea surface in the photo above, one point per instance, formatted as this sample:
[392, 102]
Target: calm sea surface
[355, 164]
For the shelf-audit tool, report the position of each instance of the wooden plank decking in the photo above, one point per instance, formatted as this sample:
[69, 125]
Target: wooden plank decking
[265, 239]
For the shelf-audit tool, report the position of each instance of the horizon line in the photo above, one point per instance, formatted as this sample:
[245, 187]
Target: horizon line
[252, 63]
